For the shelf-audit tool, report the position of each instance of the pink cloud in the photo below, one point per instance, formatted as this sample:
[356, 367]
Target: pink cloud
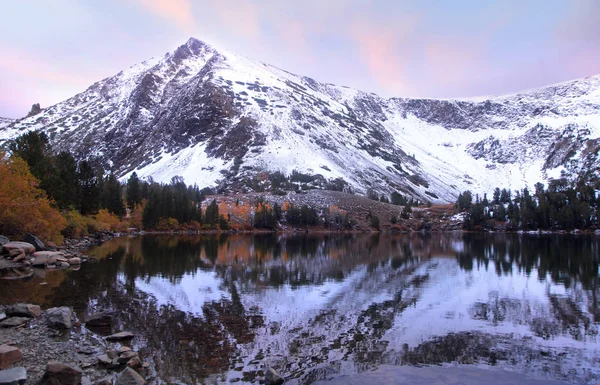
[177, 11]
[379, 48]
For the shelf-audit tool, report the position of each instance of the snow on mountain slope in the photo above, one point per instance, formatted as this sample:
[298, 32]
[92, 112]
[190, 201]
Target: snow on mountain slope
[214, 117]
[5, 122]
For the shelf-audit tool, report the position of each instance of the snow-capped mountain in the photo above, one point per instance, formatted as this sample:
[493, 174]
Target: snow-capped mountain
[209, 115]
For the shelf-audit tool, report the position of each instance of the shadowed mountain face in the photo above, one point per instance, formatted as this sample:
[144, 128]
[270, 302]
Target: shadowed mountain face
[211, 115]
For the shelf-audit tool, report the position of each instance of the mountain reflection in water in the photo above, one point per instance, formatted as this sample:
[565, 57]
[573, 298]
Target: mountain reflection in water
[212, 309]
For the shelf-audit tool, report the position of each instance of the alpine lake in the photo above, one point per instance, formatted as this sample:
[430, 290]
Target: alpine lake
[360, 308]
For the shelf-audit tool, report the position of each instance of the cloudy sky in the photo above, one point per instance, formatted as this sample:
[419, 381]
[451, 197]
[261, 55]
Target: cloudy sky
[52, 49]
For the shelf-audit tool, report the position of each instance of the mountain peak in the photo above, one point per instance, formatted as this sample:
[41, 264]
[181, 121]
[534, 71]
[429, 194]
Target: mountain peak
[193, 47]
[217, 118]
[193, 43]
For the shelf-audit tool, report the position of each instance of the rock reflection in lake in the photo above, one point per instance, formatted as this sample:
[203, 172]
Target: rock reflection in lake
[212, 309]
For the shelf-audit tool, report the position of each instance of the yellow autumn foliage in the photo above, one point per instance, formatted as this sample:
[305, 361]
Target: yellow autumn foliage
[24, 207]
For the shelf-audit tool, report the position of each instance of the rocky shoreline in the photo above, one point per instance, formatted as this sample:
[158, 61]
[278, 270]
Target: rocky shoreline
[17, 258]
[54, 347]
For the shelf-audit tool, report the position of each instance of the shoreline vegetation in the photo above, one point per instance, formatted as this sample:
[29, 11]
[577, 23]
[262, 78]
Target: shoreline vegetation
[56, 198]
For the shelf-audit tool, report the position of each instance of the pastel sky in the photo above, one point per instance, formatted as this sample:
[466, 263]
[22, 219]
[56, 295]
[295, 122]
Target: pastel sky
[52, 49]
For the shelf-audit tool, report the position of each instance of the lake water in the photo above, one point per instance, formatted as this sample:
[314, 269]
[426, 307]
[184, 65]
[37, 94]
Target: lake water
[214, 309]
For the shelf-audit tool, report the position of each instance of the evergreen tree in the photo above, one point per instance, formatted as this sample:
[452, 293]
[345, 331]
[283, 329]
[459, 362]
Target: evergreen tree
[499, 213]
[496, 196]
[134, 191]
[66, 181]
[375, 222]
[476, 216]
[89, 189]
[212, 213]
[151, 214]
[465, 200]
[112, 196]
[505, 196]
[398, 199]
[34, 148]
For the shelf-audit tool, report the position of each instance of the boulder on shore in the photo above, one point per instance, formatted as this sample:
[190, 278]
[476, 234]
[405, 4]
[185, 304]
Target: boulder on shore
[35, 241]
[108, 380]
[3, 241]
[15, 253]
[99, 319]
[13, 376]
[48, 254]
[61, 373]
[59, 317]
[24, 310]
[120, 336]
[74, 261]
[28, 248]
[9, 355]
[14, 322]
[126, 356]
[130, 377]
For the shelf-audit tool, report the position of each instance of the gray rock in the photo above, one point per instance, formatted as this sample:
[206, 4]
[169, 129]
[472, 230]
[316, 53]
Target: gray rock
[59, 317]
[15, 253]
[40, 260]
[120, 336]
[28, 248]
[2, 316]
[48, 254]
[130, 377]
[126, 356]
[104, 359]
[19, 258]
[35, 241]
[14, 376]
[108, 361]
[58, 373]
[273, 378]
[64, 265]
[135, 363]
[3, 240]
[24, 310]
[108, 380]
[14, 321]
[99, 319]
[74, 261]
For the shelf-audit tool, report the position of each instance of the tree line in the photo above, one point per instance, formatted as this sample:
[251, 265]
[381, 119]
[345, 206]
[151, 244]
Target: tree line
[560, 206]
[87, 198]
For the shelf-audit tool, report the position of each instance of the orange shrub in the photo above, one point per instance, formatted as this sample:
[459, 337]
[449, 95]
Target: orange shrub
[107, 220]
[24, 207]
[167, 224]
